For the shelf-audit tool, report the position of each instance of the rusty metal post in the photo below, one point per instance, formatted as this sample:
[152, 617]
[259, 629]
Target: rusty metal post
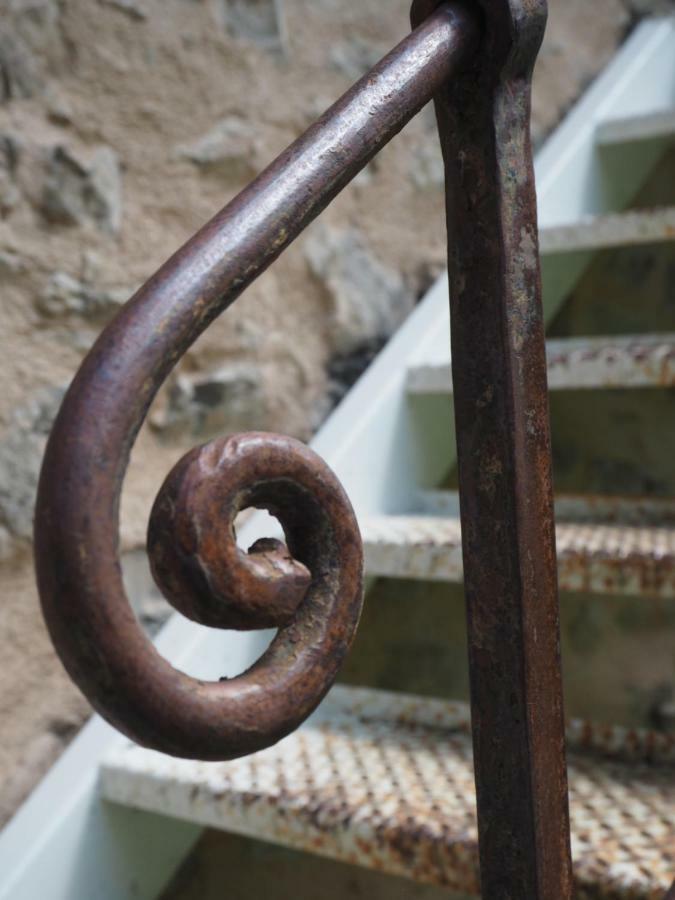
[504, 458]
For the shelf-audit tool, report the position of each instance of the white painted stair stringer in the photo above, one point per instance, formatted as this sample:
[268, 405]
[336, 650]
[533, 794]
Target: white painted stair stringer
[65, 843]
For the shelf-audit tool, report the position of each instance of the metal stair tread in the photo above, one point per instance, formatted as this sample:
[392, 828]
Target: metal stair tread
[600, 509]
[575, 363]
[647, 126]
[621, 559]
[386, 781]
[636, 226]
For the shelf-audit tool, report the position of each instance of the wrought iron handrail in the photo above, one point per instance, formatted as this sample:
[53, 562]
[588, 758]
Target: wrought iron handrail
[475, 58]
[83, 598]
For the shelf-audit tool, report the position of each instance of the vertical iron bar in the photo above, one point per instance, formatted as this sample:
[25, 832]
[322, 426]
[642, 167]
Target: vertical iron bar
[504, 458]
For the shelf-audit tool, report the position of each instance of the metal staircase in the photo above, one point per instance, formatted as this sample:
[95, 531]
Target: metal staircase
[383, 779]
[386, 781]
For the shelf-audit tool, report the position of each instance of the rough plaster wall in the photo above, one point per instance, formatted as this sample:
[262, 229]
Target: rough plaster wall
[124, 125]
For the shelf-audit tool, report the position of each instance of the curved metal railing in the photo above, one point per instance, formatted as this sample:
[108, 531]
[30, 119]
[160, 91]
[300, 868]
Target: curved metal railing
[475, 58]
[76, 527]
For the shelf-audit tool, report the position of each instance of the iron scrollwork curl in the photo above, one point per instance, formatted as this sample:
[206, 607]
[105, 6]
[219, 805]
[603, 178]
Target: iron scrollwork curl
[313, 591]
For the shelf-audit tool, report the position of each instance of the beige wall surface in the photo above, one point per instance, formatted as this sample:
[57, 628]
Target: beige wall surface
[124, 125]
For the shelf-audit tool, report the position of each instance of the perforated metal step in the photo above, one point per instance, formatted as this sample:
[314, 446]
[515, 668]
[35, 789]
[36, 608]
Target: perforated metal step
[386, 781]
[639, 361]
[606, 559]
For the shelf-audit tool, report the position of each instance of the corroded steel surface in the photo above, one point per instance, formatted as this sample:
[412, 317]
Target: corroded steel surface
[504, 459]
[386, 781]
[615, 559]
[621, 559]
[623, 362]
[616, 509]
[76, 525]
[574, 363]
[191, 538]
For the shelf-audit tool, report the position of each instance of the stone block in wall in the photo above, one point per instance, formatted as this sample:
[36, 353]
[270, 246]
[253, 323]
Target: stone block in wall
[206, 404]
[65, 295]
[57, 105]
[356, 56]
[10, 193]
[368, 300]
[228, 149]
[258, 21]
[135, 9]
[21, 451]
[19, 73]
[78, 191]
[31, 44]
[11, 264]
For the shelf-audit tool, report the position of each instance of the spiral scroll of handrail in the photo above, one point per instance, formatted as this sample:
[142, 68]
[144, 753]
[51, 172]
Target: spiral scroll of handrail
[311, 591]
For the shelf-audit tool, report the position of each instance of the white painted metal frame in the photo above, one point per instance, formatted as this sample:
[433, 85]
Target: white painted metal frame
[65, 843]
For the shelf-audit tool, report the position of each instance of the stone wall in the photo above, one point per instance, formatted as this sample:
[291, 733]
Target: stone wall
[124, 125]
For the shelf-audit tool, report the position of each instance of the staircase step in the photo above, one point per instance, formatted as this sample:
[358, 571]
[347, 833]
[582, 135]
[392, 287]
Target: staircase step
[640, 226]
[636, 361]
[386, 781]
[651, 126]
[602, 559]
[586, 508]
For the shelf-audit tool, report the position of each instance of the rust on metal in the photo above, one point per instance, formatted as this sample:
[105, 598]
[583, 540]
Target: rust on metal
[76, 525]
[621, 362]
[192, 542]
[592, 557]
[386, 781]
[504, 458]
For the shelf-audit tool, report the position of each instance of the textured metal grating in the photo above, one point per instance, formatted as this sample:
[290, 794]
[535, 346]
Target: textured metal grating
[611, 559]
[386, 781]
[639, 361]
